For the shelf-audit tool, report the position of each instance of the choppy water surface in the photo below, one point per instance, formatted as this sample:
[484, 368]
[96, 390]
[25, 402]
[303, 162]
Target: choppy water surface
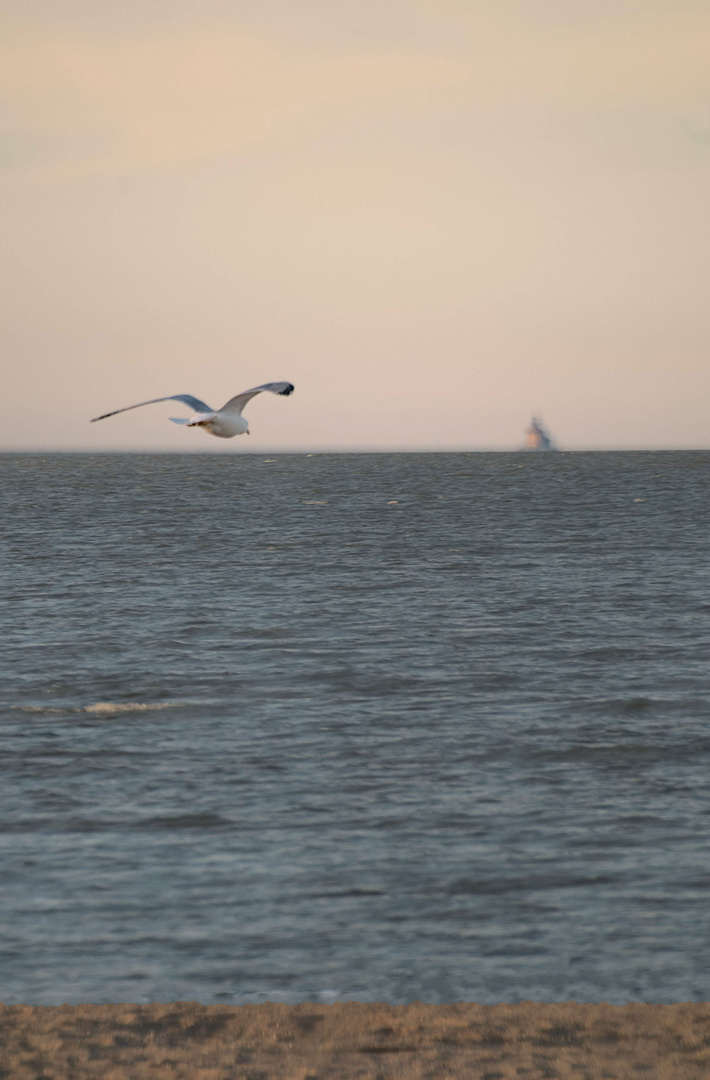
[378, 727]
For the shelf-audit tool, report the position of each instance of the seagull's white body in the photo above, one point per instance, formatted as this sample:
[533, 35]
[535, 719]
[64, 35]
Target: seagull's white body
[224, 423]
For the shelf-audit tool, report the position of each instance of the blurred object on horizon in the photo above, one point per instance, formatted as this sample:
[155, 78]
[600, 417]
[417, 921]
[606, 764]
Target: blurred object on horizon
[536, 438]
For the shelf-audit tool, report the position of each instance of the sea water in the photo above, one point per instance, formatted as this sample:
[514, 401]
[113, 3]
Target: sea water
[355, 726]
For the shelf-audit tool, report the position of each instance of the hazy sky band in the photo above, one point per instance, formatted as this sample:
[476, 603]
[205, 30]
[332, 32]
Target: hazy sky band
[433, 219]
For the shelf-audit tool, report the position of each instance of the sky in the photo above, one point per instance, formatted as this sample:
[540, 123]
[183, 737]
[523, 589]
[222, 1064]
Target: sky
[434, 217]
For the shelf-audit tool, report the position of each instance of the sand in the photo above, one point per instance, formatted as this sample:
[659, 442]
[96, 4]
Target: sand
[345, 1041]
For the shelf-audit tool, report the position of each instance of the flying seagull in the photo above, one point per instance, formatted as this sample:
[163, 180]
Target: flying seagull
[225, 423]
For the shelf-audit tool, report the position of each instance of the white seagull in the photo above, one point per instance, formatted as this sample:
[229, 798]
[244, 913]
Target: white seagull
[224, 423]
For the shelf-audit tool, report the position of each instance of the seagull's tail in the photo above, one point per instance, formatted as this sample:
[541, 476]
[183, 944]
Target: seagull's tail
[200, 418]
[193, 421]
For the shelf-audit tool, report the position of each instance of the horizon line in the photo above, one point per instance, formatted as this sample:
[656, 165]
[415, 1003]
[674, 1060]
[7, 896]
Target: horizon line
[6, 452]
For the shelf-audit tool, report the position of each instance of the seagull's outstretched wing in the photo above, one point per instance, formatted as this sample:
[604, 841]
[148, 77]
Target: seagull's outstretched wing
[236, 404]
[187, 399]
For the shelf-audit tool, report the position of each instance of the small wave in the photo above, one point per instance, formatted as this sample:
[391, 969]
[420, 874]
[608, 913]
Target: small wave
[110, 708]
[205, 820]
[101, 708]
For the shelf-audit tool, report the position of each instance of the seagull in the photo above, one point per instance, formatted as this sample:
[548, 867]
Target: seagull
[224, 423]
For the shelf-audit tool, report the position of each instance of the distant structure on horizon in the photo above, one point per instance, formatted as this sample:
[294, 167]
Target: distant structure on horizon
[536, 438]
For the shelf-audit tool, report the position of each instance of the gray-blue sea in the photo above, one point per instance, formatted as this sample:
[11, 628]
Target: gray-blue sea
[355, 726]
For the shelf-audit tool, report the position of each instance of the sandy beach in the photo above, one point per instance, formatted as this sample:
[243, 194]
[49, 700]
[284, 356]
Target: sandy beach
[349, 1040]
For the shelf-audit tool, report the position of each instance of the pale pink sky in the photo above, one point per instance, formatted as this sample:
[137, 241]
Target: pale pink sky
[435, 218]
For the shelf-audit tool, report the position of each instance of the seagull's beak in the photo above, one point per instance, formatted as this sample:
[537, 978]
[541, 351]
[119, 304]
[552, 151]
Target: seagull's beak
[247, 432]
